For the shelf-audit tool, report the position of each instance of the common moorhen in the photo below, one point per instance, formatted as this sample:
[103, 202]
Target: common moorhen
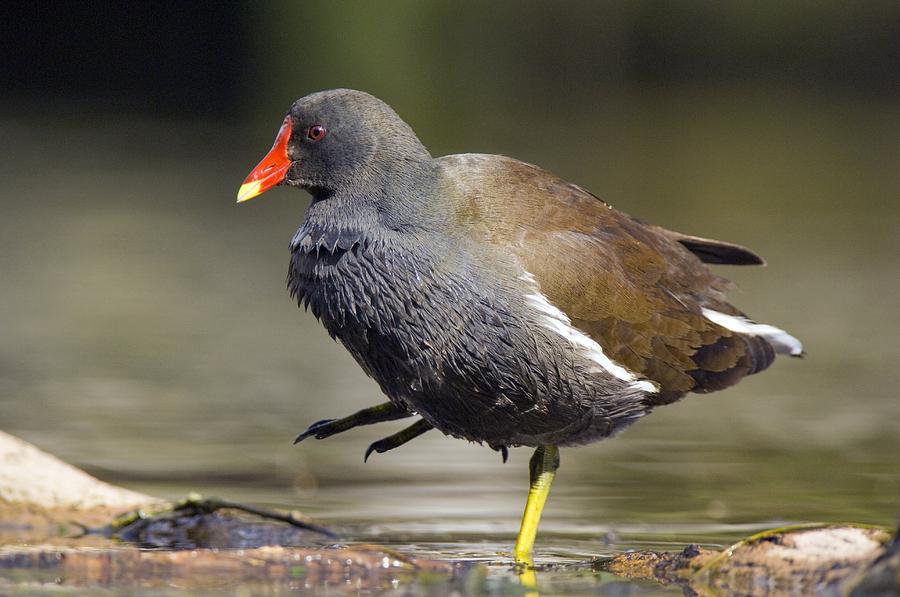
[496, 301]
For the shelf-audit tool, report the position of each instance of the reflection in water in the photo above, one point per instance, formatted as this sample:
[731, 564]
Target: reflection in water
[528, 578]
[149, 337]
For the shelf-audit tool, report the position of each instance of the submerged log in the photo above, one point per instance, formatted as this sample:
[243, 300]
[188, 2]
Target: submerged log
[87, 533]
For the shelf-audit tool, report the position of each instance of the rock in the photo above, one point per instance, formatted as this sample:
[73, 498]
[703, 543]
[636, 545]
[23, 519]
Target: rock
[29, 476]
[42, 497]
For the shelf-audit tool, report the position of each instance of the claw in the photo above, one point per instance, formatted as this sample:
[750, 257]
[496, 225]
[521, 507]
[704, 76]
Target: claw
[398, 439]
[313, 430]
[373, 447]
[504, 452]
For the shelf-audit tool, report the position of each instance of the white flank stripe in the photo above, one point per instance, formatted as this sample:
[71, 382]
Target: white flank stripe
[559, 322]
[780, 340]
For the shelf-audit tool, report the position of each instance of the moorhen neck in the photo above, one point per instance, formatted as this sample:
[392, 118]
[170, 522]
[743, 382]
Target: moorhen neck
[494, 300]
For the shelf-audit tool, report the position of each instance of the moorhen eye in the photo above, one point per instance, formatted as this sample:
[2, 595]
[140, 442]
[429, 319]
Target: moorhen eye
[316, 132]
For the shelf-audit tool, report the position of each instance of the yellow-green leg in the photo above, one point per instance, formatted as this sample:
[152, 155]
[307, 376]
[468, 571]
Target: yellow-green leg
[542, 467]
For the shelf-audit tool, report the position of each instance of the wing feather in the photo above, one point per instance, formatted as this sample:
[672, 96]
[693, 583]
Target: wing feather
[636, 289]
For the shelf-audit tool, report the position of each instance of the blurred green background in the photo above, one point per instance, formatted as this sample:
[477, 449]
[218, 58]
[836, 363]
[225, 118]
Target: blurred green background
[148, 336]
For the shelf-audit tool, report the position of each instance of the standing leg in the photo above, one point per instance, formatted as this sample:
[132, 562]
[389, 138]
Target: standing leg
[542, 467]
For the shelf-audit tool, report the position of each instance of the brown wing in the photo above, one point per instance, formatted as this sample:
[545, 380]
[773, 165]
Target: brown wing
[634, 288]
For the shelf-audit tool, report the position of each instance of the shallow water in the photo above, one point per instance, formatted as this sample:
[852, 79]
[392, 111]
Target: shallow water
[149, 339]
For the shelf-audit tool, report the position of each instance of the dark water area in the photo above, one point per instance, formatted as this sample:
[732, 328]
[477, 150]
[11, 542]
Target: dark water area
[149, 338]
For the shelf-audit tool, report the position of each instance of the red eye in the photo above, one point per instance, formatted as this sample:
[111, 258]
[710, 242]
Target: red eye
[316, 132]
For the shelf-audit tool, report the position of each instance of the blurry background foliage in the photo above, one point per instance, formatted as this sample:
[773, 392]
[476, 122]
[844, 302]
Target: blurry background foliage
[147, 335]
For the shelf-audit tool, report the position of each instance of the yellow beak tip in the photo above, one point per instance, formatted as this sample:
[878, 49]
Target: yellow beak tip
[248, 191]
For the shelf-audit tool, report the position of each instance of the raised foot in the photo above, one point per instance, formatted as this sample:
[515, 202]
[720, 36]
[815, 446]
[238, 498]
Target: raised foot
[387, 411]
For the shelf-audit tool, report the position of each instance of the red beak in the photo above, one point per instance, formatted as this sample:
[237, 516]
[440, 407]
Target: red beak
[272, 169]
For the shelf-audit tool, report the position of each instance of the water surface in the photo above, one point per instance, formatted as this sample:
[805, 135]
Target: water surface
[148, 336]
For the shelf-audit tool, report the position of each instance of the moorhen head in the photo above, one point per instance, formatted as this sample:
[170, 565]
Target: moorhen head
[347, 144]
[494, 300]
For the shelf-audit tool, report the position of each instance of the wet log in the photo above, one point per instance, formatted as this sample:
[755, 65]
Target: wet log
[810, 559]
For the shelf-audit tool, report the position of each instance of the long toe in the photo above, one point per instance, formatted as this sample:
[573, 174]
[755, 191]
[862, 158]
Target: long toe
[398, 439]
